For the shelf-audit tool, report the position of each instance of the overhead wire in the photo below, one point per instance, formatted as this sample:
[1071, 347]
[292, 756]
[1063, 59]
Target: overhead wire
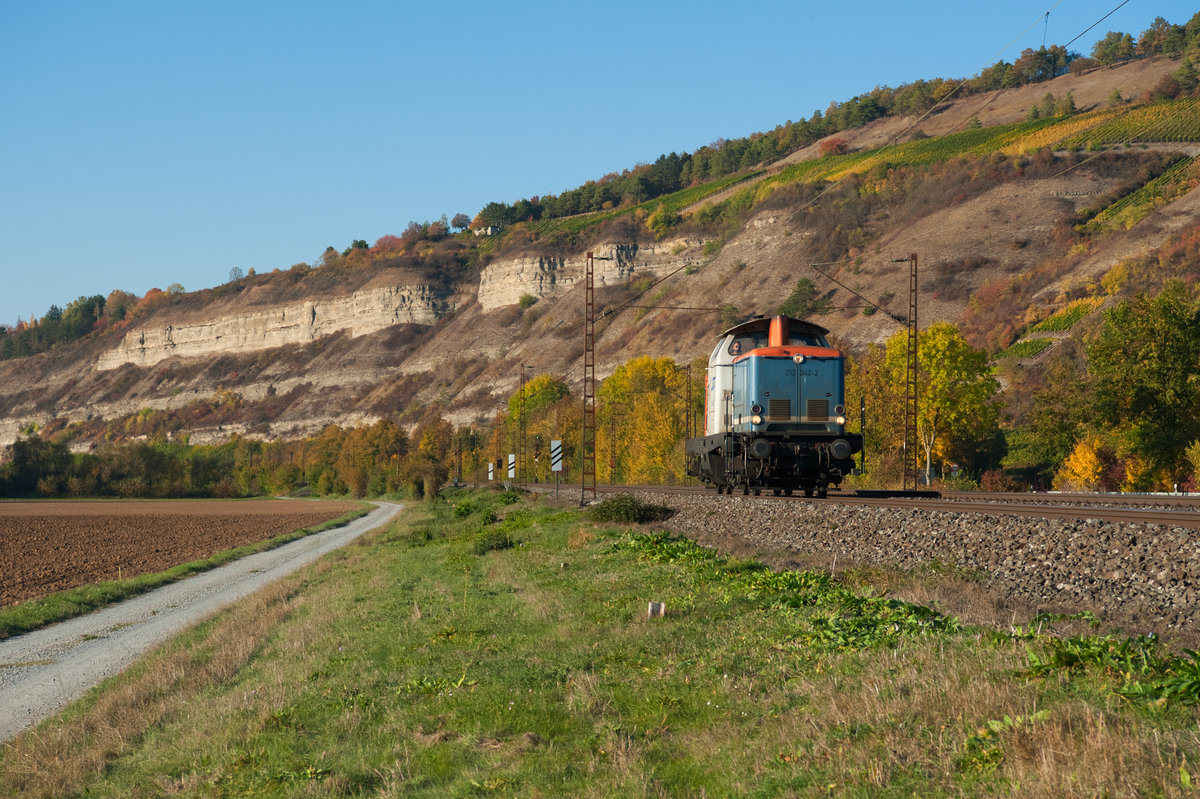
[1094, 24]
[1070, 168]
[895, 139]
[944, 100]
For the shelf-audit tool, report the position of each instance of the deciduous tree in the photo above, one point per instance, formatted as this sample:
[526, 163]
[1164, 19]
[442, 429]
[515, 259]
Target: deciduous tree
[1145, 369]
[957, 405]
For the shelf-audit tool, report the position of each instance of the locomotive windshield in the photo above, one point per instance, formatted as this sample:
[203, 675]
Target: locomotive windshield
[752, 340]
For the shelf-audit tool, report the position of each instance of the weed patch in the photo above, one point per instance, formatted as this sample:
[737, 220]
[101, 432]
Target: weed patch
[628, 509]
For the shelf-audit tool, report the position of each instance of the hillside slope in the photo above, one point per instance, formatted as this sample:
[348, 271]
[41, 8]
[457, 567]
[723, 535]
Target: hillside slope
[991, 212]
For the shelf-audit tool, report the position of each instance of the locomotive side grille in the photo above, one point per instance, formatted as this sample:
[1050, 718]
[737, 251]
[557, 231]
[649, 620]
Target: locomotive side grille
[779, 410]
[818, 409]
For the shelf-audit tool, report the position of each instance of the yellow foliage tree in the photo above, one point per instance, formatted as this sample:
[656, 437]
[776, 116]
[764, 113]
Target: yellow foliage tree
[641, 422]
[1139, 475]
[1082, 469]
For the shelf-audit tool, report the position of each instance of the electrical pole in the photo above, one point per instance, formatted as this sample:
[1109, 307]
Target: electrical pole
[522, 464]
[911, 457]
[588, 442]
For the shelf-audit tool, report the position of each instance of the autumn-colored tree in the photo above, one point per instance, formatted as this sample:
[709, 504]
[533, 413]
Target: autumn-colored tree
[427, 465]
[549, 413]
[1058, 418]
[119, 304]
[1084, 467]
[1144, 365]
[834, 146]
[369, 459]
[387, 245]
[641, 422]
[958, 409]
[661, 221]
[867, 378]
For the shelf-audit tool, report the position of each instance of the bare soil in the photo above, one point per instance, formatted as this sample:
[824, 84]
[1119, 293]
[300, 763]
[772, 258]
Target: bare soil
[47, 547]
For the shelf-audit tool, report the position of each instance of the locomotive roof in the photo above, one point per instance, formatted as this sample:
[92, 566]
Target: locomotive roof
[763, 324]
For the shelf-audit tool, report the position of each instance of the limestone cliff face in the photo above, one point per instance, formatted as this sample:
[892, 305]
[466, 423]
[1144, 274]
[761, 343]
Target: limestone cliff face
[368, 310]
[504, 281]
[360, 313]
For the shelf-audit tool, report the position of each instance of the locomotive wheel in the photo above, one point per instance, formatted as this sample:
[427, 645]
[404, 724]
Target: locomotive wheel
[776, 491]
[822, 492]
[746, 490]
[787, 492]
[758, 492]
[808, 492]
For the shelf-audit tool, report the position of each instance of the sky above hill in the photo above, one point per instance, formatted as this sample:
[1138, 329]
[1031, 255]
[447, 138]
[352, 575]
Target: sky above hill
[150, 143]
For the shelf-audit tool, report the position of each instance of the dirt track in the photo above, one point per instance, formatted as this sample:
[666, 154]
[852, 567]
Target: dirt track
[53, 546]
[42, 671]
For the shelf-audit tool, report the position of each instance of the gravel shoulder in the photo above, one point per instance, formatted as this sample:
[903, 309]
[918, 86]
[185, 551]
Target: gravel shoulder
[43, 671]
[986, 568]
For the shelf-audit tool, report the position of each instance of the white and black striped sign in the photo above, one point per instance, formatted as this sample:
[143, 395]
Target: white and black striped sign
[555, 455]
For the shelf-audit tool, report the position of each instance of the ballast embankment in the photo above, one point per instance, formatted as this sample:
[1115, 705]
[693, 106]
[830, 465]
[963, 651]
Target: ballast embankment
[1135, 575]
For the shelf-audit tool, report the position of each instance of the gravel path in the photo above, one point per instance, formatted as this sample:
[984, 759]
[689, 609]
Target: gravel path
[43, 671]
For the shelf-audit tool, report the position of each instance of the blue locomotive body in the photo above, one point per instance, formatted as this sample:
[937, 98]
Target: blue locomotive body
[775, 411]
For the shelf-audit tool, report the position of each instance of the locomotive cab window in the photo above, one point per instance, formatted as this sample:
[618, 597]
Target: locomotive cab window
[806, 339]
[746, 342]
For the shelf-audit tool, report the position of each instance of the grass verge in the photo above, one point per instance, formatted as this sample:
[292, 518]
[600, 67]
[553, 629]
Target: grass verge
[38, 613]
[496, 646]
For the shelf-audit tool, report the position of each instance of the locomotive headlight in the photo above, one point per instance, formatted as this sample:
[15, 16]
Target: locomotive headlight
[840, 410]
[840, 419]
[798, 358]
[756, 419]
[756, 409]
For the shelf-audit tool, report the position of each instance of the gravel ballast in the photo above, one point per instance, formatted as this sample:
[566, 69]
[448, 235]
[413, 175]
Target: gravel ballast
[1139, 574]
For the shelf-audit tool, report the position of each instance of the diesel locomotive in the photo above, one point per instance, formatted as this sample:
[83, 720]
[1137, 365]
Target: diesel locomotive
[775, 414]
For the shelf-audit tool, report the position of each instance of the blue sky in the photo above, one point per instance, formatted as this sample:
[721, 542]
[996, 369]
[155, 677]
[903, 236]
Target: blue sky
[149, 143]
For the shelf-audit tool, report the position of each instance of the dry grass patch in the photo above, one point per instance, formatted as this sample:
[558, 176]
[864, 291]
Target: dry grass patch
[62, 755]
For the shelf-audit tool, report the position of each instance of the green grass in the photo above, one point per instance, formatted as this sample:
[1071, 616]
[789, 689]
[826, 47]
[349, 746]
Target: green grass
[1025, 349]
[38, 613]
[1066, 318]
[1172, 121]
[1127, 211]
[416, 663]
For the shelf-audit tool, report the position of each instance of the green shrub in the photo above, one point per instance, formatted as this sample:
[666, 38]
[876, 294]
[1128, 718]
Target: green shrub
[464, 509]
[628, 509]
[509, 497]
[492, 540]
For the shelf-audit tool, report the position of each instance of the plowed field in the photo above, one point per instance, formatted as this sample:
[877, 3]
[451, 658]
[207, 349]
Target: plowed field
[52, 546]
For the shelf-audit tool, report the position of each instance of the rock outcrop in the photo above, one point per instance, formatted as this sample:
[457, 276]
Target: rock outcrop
[360, 313]
[504, 281]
